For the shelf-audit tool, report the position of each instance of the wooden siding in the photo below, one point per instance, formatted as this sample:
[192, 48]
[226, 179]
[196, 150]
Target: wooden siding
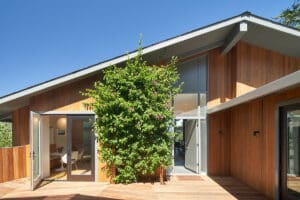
[102, 177]
[65, 98]
[20, 126]
[257, 66]
[243, 69]
[246, 149]
[221, 76]
[219, 144]
[14, 163]
[252, 158]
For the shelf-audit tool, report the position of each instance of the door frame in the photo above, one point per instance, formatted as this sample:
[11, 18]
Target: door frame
[71, 177]
[198, 137]
[281, 150]
[35, 181]
[66, 113]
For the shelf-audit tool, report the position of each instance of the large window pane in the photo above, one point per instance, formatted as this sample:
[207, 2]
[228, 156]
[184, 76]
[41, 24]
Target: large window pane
[186, 105]
[293, 152]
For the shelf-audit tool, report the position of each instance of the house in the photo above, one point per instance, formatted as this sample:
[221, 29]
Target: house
[238, 113]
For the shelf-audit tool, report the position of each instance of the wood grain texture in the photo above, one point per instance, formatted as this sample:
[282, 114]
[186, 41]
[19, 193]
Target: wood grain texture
[20, 126]
[219, 144]
[13, 163]
[246, 147]
[65, 98]
[257, 66]
[221, 72]
[243, 69]
[252, 158]
[27, 156]
[102, 177]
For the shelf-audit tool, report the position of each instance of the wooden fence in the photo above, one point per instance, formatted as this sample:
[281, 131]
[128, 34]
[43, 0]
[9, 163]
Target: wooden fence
[14, 163]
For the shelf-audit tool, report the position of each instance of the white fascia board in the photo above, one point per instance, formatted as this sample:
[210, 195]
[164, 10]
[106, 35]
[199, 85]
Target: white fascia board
[274, 86]
[272, 25]
[98, 67]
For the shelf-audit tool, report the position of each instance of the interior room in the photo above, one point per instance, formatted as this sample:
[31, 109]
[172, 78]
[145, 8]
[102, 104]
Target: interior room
[65, 139]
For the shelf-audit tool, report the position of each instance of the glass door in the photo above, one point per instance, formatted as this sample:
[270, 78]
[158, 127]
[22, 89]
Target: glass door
[35, 152]
[191, 144]
[81, 148]
[290, 152]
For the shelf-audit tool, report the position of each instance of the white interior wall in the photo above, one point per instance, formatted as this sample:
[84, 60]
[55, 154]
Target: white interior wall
[59, 123]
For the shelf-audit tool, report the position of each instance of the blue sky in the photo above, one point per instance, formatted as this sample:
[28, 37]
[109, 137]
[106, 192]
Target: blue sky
[42, 39]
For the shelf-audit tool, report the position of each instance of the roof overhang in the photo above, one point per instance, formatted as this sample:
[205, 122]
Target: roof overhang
[259, 31]
[283, 83]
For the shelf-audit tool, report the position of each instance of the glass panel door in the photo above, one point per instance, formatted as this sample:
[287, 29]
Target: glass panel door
[35, 130]
[191, 144]
[290, 155]
[81, 148]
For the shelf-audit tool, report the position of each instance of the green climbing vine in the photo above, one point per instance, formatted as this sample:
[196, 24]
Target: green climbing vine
[134, 114]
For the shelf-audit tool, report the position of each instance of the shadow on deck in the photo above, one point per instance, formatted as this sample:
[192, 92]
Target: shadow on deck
[237, 189]
[195, 187]
[64, 197]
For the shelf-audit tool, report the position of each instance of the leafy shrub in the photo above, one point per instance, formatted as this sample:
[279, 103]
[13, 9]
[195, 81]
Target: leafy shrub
[134, 113]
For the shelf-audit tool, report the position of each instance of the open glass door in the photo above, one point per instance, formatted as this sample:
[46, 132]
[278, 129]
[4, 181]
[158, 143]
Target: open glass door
[81, 148]
[35, 152]
[191, 144]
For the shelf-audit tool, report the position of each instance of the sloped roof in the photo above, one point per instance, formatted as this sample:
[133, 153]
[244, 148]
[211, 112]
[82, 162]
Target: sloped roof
[261, 32]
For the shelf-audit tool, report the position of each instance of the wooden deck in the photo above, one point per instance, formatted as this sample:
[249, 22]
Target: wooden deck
[217, 188]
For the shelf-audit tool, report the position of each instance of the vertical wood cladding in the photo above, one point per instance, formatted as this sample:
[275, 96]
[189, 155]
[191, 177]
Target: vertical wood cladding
[20, 126]
[221, 76]
[65, 98]
[257, 66]
[219, 144]
[14, 163]
[251, 157]
[243, 69]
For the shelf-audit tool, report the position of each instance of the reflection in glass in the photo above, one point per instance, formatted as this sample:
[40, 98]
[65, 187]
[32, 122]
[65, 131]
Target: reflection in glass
[179, 149]
[36, 146]
[293, 152]
[186, 105]
[81, 156]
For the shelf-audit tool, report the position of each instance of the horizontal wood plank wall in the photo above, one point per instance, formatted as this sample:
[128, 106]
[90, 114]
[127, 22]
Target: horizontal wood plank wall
[257, 66]
[20, 126]
[252, 158]
[65, 98]
[14, 163]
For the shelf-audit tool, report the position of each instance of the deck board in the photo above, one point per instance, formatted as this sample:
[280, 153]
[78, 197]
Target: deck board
[206, 188]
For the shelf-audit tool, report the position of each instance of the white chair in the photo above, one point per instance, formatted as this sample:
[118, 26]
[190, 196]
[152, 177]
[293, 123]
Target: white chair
[74, 158]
